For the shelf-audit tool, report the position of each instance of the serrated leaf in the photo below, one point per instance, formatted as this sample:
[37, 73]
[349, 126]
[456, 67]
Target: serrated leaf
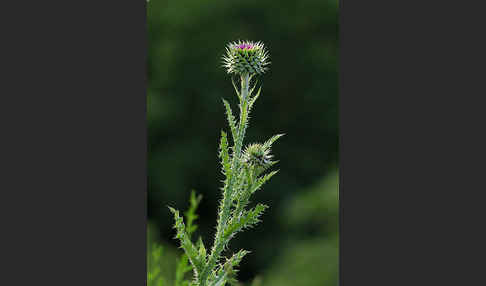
[237, 257]
[219, 280]
[227, 271]
[254, 86]
[272, 140]
[224, 154]
[231, 119]
[247, 220]
[254, 98]
[185, 241]
[236, 89]
[202, 250]
[260, 181]
[190, 214]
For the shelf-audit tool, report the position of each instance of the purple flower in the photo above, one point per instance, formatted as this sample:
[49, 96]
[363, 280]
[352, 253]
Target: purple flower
[245, 46]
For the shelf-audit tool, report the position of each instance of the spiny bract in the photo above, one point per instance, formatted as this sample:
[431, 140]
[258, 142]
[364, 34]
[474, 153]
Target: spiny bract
[245, 57]
[257, 155]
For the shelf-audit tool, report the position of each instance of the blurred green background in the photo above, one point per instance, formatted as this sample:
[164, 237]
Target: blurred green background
[297, 242]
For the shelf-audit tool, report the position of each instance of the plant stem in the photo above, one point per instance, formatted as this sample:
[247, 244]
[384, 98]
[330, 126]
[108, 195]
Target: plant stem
[224, 214]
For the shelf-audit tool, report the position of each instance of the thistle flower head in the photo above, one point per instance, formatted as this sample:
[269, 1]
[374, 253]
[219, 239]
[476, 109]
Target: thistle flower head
[257, 155]
[245, 57]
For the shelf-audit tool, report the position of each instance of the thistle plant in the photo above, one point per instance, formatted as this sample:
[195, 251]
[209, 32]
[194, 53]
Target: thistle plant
[245, 171]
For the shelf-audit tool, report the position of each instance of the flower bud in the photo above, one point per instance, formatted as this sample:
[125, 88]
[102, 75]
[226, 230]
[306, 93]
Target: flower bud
[246, 58]
[258, 156]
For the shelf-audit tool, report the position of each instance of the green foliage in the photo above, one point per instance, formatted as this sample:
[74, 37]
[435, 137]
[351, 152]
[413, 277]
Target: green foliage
[317, 264]
[182, 268]
[184, 90]
[190, 214]
[315, 211]
[186, 244]
[242, 178]
[154, 276]
[183, 265]
[224, 155]
[316, 207]
[240, 221]
[160, 266]
[185, 87]
[231, 119]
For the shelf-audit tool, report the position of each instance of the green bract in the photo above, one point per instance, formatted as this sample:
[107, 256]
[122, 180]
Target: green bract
[258, 156]
[245, 57]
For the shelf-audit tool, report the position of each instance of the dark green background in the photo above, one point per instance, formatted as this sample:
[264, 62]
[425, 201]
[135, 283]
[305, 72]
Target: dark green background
[297, 239]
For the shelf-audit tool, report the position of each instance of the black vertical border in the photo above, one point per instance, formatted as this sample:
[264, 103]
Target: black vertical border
[73, 107]
[411, 142]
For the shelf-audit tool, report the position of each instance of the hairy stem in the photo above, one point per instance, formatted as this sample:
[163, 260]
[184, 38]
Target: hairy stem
[225, 207]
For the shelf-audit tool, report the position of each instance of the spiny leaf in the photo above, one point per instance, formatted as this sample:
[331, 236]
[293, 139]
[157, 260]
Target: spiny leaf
[183, 265]
[202, 250]
[186, 243]
[228, 268]
[243, 194]
[237, 257]
[260, 181]
[247, 220]
[272, 140]
[254, 86]
[231, 119]
[190, 214]
[194, 200]
[236, 89]
[224, 155]
[253, 99]
[241, 183]
[218, 280]
[242, 125]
